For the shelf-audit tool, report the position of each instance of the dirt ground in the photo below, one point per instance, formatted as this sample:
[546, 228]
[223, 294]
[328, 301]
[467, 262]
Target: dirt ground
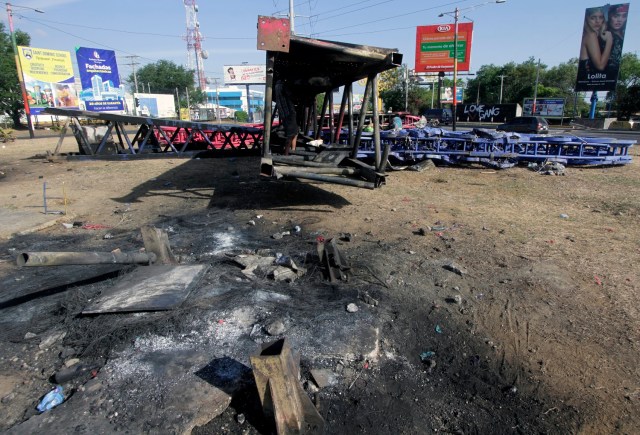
[524, 287]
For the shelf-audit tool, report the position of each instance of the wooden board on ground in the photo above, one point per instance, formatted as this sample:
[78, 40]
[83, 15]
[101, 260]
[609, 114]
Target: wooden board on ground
[149, 288]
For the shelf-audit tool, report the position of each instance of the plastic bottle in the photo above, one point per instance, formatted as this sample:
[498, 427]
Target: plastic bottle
[52, 399]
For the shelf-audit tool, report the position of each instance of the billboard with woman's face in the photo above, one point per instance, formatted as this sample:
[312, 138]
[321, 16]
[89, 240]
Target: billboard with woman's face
[601, 47]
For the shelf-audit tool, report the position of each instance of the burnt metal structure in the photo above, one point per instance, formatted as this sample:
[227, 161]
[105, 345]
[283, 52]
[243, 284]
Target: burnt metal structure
[313, 67]
[155, 136]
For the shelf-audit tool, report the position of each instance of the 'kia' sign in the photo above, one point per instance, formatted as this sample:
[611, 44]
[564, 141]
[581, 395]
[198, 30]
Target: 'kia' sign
[435, 47]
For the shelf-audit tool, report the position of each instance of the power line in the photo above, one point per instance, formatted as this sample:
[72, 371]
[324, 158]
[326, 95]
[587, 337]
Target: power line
[41, 21]
[395, 16]
[348, 12]
[89, 40]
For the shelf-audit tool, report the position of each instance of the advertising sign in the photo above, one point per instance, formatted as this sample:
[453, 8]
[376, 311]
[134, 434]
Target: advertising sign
[601, 47]
[434, 47]
[101, 90]
[245, 74]
[447, 95]
[48, 77]
[155, 105]
[547, 107]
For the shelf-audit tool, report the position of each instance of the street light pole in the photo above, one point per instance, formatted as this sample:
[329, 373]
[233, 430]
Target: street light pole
[23, 88]
[456, 17]
[455, 66]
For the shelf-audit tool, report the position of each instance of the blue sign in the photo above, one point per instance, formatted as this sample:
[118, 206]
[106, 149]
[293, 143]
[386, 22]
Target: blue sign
[101, 89]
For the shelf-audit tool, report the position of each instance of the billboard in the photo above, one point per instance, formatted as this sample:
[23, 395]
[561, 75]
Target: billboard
[48, 78]
[245, 74]
[601, 47]
[101, 89]
[547, 107]
[434, 47]
[447, 95]
[155, 105]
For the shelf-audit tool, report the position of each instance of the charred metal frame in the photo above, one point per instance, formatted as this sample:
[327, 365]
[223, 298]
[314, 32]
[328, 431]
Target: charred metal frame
[156, 135]
[315, 67]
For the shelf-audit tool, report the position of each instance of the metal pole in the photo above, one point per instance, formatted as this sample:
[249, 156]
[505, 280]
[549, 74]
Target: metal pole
[268, 99]
[433, 91]
[350, 90]
[178, 97]
[31, 259]
[249, 104]
[455, 67]
[291, 17]
[363, 113]
[23, 88]
[135, 77]
[406, 88]
[594, 105]
[376, 120]
[535, 90]
[501, 85]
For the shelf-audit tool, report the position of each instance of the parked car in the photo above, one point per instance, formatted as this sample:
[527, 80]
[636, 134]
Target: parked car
[439, 116]
[525, 124]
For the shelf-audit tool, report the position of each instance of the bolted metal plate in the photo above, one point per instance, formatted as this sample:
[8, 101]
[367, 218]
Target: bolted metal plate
[273, 34]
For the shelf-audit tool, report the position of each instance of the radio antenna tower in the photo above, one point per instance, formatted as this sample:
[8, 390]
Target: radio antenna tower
[195, 53]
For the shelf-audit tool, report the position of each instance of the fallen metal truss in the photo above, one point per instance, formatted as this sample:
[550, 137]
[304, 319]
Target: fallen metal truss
[154, 135]
[496, 149]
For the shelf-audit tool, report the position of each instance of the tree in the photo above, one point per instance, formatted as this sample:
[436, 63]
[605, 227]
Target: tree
[393, 93]
[241, 116]
[626, 97]
[11, 102]
[165, 76]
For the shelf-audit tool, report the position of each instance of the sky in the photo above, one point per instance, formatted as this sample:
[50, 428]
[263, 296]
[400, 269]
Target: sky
[514, 31]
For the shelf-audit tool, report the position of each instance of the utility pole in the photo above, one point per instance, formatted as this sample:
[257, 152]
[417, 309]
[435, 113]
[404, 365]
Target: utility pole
[291, 17]
[133, 64]
[179, 111]
[23, 88]
[188, 104]
[406, 88]
[501, 85]
[535, 90]
[215, 80]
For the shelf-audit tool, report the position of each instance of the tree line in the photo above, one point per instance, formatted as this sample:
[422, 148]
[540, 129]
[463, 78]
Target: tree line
[516, 81]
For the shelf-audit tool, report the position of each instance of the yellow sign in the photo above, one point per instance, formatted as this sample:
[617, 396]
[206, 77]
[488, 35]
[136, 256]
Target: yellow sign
[48, 78]
[51, 66]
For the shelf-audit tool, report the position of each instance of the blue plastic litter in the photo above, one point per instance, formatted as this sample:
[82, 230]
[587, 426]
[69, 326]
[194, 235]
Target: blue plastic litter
[52, 399]
[438, 329]
[424, 356]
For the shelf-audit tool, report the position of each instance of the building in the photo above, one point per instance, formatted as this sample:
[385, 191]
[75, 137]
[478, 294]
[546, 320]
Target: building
[235, 98]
